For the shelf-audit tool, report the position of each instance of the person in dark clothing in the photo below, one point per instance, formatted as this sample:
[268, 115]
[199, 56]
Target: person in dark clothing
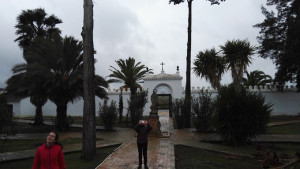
[142, 129]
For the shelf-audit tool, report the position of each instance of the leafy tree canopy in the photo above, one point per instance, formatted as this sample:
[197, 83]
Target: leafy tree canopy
[129, 72]
[280, 39]
[256, 78]
[33, 23]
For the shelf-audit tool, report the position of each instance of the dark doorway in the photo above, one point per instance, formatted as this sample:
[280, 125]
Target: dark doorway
[165, 103]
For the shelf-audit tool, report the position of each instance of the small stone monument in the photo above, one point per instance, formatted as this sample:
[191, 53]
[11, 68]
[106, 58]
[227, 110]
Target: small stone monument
[153, 117]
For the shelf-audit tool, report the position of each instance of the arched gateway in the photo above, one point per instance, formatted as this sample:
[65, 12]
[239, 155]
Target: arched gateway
[168, 87]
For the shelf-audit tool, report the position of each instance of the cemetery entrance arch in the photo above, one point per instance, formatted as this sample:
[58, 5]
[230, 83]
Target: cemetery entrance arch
[164, 93]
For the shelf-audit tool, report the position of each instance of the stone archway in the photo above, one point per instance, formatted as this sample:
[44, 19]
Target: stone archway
[164, 93]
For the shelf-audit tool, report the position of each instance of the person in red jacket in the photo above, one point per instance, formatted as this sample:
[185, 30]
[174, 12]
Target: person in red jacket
[50, 154]
[142, 129]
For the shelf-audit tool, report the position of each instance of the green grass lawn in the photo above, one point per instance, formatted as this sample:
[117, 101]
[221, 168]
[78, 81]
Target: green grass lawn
[194, 158]
[285, 129]
[72, 160]
[29, 144]
[284, 118]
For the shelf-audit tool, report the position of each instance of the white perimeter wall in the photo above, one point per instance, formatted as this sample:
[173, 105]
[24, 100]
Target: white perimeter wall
[284, 103]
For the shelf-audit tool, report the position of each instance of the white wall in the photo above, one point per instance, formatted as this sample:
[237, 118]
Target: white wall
[284, 103]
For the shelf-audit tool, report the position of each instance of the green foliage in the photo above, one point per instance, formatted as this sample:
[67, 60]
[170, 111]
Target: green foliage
[210, 65]
[33, 23]
[240, 117]
[130, 73]
[7, 126]
[202, 111]
[237, 55]
[279, 39]
[60, 62]
[136, 104]
[178, 113]
[108, 114]
[256, 78]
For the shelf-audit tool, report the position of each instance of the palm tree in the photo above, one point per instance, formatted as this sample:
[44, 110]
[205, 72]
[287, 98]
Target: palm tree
[60, 61]
[20, 84]
[130, 73]
[237, 55]
[187, 99]
[256, 78]
[209, 65]
[33, 23]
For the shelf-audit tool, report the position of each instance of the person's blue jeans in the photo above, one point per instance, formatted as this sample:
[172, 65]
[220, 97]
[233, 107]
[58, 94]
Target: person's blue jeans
[142, 151]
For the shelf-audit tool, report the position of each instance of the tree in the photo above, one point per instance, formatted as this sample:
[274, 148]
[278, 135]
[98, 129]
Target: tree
[210, 65]
[60, 61]
[31, 24]
[22, 84]
[188, 97]
[279, 39]
[240, 117]
[130, 73]
[237, 55]
[120, 107]
[256, 78]
[89, 125]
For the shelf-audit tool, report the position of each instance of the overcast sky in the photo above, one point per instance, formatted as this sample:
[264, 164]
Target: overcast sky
[151, 31]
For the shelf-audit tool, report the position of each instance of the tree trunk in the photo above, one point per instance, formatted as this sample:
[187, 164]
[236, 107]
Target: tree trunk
[38, 119]
[89, 128]
[38, 101]
[120, 107]
[187, 99]
[61, 117]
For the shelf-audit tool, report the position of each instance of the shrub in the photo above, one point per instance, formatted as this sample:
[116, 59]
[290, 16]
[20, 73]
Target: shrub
[108, 114]
[136, 104]
[178, 113]
[7, 127]
[202, 110]
[241, 116]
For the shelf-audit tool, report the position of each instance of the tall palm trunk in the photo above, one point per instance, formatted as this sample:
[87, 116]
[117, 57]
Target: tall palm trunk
[187, 99]
[38, 119]
[61, 116]
[89, 128]
[38, 102]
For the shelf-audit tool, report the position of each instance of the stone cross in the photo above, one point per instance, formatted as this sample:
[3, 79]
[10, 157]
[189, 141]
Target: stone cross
[162, 66]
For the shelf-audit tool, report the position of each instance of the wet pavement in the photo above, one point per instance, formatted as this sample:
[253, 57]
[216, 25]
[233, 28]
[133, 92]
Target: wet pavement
[160, 150]
[161, 153]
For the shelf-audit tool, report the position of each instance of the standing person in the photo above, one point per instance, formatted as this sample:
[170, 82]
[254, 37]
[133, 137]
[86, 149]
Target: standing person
[142, 129]
[50, 155]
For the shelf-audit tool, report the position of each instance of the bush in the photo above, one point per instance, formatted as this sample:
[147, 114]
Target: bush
[202, 110]
[136, 104]
[241, 116]
[178, 113]
[7, 127]
[108, 114]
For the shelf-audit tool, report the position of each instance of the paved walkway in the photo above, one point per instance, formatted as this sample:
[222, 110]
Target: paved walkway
[160, 150]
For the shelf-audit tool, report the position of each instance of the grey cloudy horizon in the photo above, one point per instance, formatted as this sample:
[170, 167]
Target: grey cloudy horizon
[150, 31]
